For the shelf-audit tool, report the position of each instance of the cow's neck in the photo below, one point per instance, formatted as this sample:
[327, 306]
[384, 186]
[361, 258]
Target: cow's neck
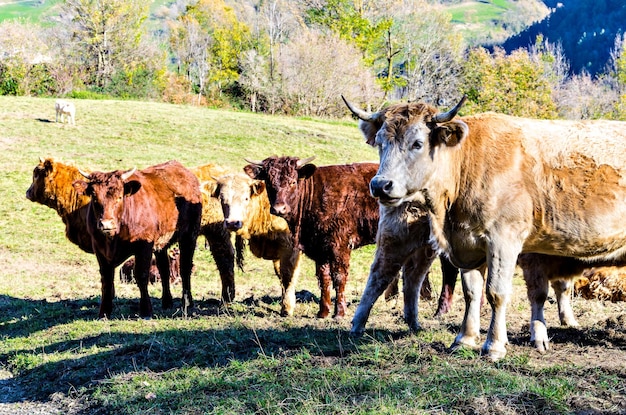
[66, 201]
[306, 189]
[261, 220]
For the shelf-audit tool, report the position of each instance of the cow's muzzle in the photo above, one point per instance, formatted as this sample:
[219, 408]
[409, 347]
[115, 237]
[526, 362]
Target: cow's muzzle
[107, 226]
[233, 225]
[381, 188]
[280, 209]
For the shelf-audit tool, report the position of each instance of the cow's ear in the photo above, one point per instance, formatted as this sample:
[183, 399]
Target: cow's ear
[47, 165]
[254, 171]
[451, 133]
[257, 187]
[306, 171]
[131, 187]
[210, 187]
[81, 187]
[369, 130]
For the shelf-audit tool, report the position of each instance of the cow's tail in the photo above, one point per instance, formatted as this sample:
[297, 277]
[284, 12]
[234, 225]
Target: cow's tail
[240, 244]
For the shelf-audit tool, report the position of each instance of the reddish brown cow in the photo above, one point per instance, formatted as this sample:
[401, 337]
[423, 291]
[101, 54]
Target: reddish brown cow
[52, 187]
[138, 213]
[496, 186]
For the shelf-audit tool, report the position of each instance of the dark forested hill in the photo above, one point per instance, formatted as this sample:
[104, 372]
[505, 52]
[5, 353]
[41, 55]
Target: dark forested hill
[585, 28]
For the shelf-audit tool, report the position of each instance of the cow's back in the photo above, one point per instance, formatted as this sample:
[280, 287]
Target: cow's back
[566, 180]
[169, 199]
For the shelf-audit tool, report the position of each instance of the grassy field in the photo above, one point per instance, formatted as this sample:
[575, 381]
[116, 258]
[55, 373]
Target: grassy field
[56, 355]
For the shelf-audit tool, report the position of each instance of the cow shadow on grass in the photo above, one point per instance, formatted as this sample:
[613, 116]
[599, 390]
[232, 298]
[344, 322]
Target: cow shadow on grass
[89, 361]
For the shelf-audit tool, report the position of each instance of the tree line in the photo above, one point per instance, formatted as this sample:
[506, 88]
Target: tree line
[295, 57]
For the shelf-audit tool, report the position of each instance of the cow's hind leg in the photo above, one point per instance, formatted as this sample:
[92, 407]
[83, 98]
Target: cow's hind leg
[143, 259]
[163, 264]
[563, 290]
[450, 274]
[224, 255]
[537, 291]
[469, 335]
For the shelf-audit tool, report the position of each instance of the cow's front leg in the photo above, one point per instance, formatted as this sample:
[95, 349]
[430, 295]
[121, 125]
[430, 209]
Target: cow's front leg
[223, 253]
[384, 269]
[415, 272]
[325, 282]
[289, 272]
[502, 259]
[187, 246]
[107, 281]
[469, 335]
[339, 272]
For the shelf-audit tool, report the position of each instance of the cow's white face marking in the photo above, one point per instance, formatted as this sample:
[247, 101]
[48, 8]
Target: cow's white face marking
[404, 164]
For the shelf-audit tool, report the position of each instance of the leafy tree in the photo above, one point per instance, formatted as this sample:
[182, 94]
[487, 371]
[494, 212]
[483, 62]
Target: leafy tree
[221, 40]
[108, 34]
[511, 84]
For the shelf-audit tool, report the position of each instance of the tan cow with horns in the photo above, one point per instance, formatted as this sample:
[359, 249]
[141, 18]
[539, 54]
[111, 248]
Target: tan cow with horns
[495, 186]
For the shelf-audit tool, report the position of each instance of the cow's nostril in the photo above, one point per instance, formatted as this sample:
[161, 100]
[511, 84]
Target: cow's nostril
[387, 186]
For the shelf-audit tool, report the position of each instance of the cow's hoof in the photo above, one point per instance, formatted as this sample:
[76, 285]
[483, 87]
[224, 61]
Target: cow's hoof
[539, 336]
[356, 333]
[464, 342]
[415, 327]
[493, 352]
[323, 313]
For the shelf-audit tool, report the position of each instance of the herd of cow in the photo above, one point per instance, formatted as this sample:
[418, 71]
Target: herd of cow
[483, 193]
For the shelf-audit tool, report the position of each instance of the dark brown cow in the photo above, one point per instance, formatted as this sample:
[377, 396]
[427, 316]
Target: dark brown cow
[138, 213]
[495, 186]
[329, 211]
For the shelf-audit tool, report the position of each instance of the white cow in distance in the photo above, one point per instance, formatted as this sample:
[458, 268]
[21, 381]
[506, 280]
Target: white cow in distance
[65, 109]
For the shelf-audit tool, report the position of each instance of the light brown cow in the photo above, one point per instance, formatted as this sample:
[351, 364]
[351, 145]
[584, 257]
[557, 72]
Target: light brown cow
[246, 211]
[495, 186]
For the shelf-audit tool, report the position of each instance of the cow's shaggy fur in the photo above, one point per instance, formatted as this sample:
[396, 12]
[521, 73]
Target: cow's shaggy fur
[246, 211]
[603, 283]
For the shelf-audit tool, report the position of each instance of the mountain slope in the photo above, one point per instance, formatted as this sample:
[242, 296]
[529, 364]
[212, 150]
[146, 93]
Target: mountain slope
[585, 28]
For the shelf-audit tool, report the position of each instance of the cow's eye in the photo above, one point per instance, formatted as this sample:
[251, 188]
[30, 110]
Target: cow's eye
[417, 145]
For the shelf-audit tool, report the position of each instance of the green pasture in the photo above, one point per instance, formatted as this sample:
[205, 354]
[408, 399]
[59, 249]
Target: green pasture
[245, 358]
